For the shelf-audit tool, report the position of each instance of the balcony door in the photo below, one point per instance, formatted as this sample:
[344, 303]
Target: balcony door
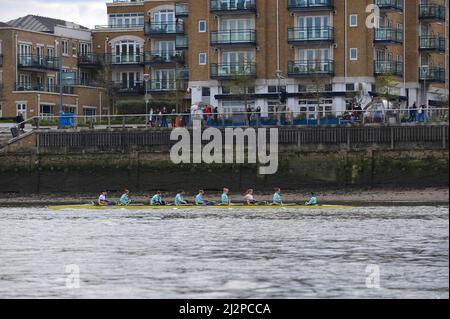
[165, 79]
[165, 49]
[40, 55]
[236, 63]
[129, 80]
[165, 19]
[314, 27]
[236, 30]
[127, 52]
[24, 54]
[314, 60]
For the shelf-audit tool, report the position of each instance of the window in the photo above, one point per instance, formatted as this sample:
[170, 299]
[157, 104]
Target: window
[202, 59]
[350, 87]
[65, 48]
[21, 108]
[74, 49]
[206, 91]
[353, 54]
[353, 20]
[202, 26]
[126, 20]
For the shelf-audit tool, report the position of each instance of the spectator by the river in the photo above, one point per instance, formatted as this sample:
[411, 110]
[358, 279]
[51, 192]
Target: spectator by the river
[249, 114]
[413, 113]
[164, 114]
[258, 115]
[19, 121]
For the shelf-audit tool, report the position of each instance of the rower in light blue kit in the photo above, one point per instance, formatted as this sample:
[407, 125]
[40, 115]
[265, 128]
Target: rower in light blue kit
[276, 200]
[157, 200]
[224, 199]
[312, 200]
[179, 199]
[125, 198]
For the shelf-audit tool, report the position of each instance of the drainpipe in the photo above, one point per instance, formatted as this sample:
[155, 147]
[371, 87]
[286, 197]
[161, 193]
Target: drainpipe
[346, 44]
[278, 39]
[16, 56]
[404, 49]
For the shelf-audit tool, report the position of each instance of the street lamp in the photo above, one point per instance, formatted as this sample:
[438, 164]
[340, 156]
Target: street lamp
[146, 79]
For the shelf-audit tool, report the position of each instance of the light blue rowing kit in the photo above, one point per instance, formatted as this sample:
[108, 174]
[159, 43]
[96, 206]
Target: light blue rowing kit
[124, 200]
[224, 200]
[156, 200]
[312, 201]
[199, 200]
[179, 200]
[277, 199]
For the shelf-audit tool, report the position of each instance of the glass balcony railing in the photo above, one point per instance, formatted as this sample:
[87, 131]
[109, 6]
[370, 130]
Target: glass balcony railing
[181, 10]
[432, 74]
[167, 85]
[298, 35]
[121, 26]
[388, 35]
[37, 62]
[153, 29]
[432, 43]
[232, 70]
[233, 37]
[301, 68]
[310, 5]
[433, 12]
[232, 6]
[390, 5]
[182, 42]
[164, 57]
[388, 68]
[117, 59]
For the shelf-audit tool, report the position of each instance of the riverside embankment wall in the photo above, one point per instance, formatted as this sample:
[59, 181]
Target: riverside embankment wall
[88, 161]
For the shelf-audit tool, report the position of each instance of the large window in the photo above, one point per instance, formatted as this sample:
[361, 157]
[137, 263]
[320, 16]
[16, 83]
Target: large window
[127, 51]
[126, 20]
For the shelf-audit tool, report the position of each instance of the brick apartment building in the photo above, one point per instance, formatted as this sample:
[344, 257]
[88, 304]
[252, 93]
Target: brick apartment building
[189, 51]
[32, 51]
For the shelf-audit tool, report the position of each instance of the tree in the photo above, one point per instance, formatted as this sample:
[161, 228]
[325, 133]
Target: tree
[385, 85]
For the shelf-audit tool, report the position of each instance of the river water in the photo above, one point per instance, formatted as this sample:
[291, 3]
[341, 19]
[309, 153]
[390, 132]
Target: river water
[379, 252]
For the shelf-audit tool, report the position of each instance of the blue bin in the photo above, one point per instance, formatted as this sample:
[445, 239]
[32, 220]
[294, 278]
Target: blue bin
[67, 120]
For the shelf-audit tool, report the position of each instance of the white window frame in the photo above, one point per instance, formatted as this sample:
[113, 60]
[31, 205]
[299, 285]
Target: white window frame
[203, 56]
[354, 50]
[200, 23]
[353, 25]
[65, 47]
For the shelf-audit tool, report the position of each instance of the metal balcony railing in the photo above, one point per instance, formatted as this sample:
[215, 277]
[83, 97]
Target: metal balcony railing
[310, 5]
[388, 68]
[388, 35]
[390, 5]
[233, 37]
[432, 12]
[302, 68]
[232, 6]
[37, 62]
[90, 60]
[48, 88]
[126, 88]
[163, 57]
[432, 74]
[432, 43]
[302, 35]
[232, 70]
[164, 28]
[124, 59]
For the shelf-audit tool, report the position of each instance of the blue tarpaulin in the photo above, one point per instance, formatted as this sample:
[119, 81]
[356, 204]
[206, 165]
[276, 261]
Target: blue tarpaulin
[67, 120]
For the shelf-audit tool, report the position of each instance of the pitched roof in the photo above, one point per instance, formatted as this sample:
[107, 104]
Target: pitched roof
[41, 24]
[2, 24]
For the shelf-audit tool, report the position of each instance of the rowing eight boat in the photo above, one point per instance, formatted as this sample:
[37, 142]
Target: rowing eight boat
[144, 207]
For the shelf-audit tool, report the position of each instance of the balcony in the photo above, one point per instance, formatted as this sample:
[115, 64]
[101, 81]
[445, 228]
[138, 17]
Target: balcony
[388, 36]
[156, 29]
[164, 57]
[37, 63]
[233, 38]
[181, 10]
[221, 7]
[124, 59]
[90, 61]
[432, 12]
[120, 26]
[310, 5]
[182, 42]
[128, 89]
[390, 5]
[432, 74]
[432, 43]
[305, 68]
[35, 87]
[311, 35]
[388, 68]
[231, 71]
[164, 86]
